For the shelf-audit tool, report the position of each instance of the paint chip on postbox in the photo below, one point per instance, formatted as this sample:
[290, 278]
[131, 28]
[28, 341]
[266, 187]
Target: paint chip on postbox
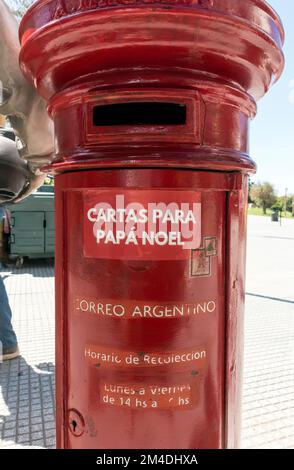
[141, 224]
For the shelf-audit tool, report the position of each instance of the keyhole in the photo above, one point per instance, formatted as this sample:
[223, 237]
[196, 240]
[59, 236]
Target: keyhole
[76, 423]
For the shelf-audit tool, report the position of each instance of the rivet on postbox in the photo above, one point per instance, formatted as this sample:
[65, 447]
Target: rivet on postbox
[151, 107]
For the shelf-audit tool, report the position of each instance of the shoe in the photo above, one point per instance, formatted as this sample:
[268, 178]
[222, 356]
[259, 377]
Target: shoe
[9, 353]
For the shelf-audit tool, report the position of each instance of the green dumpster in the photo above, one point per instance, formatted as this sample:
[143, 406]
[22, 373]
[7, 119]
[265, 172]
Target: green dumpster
[32, 226]
[275, 216]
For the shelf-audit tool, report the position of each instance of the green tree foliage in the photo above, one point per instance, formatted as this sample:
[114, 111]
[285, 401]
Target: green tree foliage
[49, 181]
[250, 186]
[289, 202]
[19, 7]
[263, 195]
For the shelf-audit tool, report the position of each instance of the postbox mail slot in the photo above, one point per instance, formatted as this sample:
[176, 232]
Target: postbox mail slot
[140, 113]
[130, 115]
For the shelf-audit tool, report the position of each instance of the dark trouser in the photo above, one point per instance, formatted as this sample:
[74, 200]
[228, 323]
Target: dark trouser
[7, 335]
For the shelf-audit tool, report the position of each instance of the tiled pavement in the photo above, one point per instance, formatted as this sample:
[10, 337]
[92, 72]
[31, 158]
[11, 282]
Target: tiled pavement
[268, 396]
[27, 384]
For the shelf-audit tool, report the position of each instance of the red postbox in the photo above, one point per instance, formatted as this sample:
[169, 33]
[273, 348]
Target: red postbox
[151, 102]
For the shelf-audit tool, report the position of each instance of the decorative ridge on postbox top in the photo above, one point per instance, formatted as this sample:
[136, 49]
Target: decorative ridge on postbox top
[257, 12]
[58, 50]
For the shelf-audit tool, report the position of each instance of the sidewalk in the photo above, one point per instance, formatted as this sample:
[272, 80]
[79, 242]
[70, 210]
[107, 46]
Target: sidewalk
[268, 395]
[26, 401]
[27, 398]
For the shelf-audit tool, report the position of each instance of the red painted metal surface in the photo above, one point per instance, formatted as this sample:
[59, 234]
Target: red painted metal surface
[149, 339]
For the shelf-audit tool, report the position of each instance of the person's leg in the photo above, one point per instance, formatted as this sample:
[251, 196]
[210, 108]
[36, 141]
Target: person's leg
[7, 335]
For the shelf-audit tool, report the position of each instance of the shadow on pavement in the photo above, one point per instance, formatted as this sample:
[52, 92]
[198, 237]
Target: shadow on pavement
[277, 299]
[34, 267]
[27, 406]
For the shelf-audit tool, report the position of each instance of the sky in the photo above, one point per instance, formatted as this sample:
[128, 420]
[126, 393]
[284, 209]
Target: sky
[272, 131]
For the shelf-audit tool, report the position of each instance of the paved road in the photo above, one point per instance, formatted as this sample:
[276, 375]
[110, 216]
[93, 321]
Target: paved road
[27, 384]
[270, 258]
[268, 399]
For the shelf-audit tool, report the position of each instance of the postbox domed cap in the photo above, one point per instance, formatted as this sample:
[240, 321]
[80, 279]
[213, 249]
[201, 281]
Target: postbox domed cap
[234, 41]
